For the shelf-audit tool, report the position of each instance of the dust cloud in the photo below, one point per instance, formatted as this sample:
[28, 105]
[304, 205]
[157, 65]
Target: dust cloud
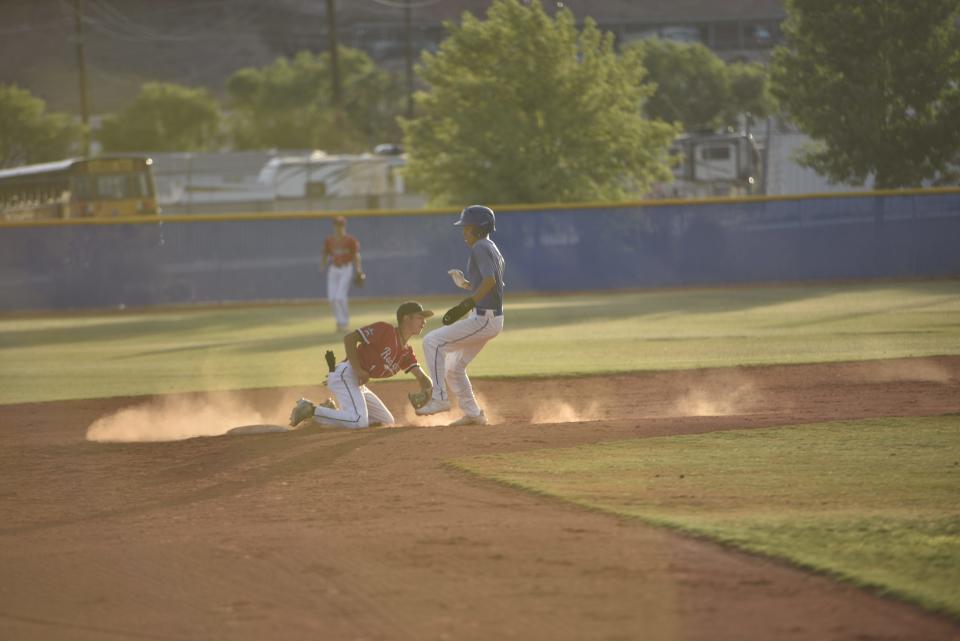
[558, 411]
[410, 417]
[714, 393]
[907, 371]
[175, 418]
[714, 402]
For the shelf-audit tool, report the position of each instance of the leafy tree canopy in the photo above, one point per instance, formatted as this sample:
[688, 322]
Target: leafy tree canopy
[692, 84]
[522, 108]
[28, 134]
[289, 104]
[697, 89]
[164, 117]
[749, 91]
[876, 83]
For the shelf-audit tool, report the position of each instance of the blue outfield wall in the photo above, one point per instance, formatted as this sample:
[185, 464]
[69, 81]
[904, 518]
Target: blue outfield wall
[273, 257]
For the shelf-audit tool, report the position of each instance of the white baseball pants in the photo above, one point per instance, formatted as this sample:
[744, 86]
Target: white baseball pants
[359, 407]
[449, 349]
[338, 288]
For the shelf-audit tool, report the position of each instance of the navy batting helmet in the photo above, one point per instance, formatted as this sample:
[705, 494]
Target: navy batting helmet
[478, 215]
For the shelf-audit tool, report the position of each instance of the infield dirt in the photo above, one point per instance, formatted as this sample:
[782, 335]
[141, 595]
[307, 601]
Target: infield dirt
[330, 534]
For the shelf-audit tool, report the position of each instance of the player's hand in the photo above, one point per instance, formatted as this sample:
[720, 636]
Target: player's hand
[458, 279]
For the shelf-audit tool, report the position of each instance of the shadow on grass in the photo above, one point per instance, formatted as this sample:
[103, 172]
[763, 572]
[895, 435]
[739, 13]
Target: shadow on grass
[180, 324]
[522, 312]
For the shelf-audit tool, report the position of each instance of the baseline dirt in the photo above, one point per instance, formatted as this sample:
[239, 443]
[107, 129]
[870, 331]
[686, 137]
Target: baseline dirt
[366, 535]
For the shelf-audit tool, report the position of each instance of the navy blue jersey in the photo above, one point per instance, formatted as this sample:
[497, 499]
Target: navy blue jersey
[486, 260]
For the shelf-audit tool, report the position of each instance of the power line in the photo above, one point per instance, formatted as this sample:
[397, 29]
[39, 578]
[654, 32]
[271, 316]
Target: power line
[25, 29]
[111, 22]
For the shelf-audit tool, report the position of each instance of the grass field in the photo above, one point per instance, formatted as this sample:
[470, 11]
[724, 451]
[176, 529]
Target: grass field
[874, 502]
[129, 353]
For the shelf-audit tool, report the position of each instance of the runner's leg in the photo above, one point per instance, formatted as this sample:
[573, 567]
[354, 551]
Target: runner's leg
[457, 379]
[444, 341]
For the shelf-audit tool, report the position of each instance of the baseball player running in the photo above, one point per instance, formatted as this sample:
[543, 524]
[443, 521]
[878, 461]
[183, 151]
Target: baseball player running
[468, 326]
[379, 350]
[341, 259]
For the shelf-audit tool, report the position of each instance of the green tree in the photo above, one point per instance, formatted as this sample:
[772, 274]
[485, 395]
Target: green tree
[164, 117]
[692, 84]
[522, 108]
[28, 134]
[876, 83]
[749, 91]
[289, 105]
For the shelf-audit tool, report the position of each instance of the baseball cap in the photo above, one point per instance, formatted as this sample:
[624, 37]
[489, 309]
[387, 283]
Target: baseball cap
[412, 307]
[340, 220]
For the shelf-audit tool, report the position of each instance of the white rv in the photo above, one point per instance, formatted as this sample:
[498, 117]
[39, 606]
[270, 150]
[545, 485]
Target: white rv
[227, 182]
[714, 164]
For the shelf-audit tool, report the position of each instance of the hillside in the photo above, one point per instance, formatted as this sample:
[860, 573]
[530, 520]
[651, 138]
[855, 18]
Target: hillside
[201, 42]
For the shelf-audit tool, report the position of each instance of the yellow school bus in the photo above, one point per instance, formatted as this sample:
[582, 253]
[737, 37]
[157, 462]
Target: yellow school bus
[99, 187]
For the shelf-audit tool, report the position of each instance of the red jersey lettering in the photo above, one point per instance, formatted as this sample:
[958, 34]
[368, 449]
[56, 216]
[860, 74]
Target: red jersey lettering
[381, 353]
[341, 250]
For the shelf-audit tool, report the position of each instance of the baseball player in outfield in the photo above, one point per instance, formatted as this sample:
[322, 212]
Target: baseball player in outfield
[341, 259]
[379, 350]
[449, 349]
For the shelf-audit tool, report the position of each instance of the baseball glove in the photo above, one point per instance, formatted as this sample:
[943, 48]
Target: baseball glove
[359, 279]
[331, 360]
[418, 399]
[459, 311]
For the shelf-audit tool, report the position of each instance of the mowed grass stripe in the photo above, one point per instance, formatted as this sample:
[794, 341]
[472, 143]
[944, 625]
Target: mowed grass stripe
[128, 353]
[875, 502]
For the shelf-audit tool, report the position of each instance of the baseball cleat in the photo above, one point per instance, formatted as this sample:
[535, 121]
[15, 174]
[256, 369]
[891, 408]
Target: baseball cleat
[433, 406]
[330, 404]
[301, 411]
[479, 419]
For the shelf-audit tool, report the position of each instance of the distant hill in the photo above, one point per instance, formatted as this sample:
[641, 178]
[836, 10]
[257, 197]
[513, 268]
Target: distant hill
[201, 42]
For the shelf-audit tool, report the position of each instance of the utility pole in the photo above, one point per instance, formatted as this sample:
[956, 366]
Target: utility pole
[408, 32]
[334, 62]
[407, 6]
[82, 74]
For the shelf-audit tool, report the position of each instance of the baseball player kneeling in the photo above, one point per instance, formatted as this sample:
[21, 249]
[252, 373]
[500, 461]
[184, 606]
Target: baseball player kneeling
[379, 350]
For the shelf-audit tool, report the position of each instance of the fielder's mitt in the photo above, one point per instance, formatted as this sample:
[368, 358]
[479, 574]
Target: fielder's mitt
[459, 311]
[331, 360]
[418, 399]
[359, 279]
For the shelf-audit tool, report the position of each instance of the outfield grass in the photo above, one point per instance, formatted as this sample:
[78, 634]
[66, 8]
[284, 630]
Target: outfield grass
[125, 353]
[874, 502]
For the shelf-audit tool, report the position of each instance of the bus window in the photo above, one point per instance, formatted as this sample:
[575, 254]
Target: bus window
[83, 188]
[112, 187]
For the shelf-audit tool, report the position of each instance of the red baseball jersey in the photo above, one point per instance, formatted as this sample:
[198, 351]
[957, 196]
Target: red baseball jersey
[381, 353]
[342, 250]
